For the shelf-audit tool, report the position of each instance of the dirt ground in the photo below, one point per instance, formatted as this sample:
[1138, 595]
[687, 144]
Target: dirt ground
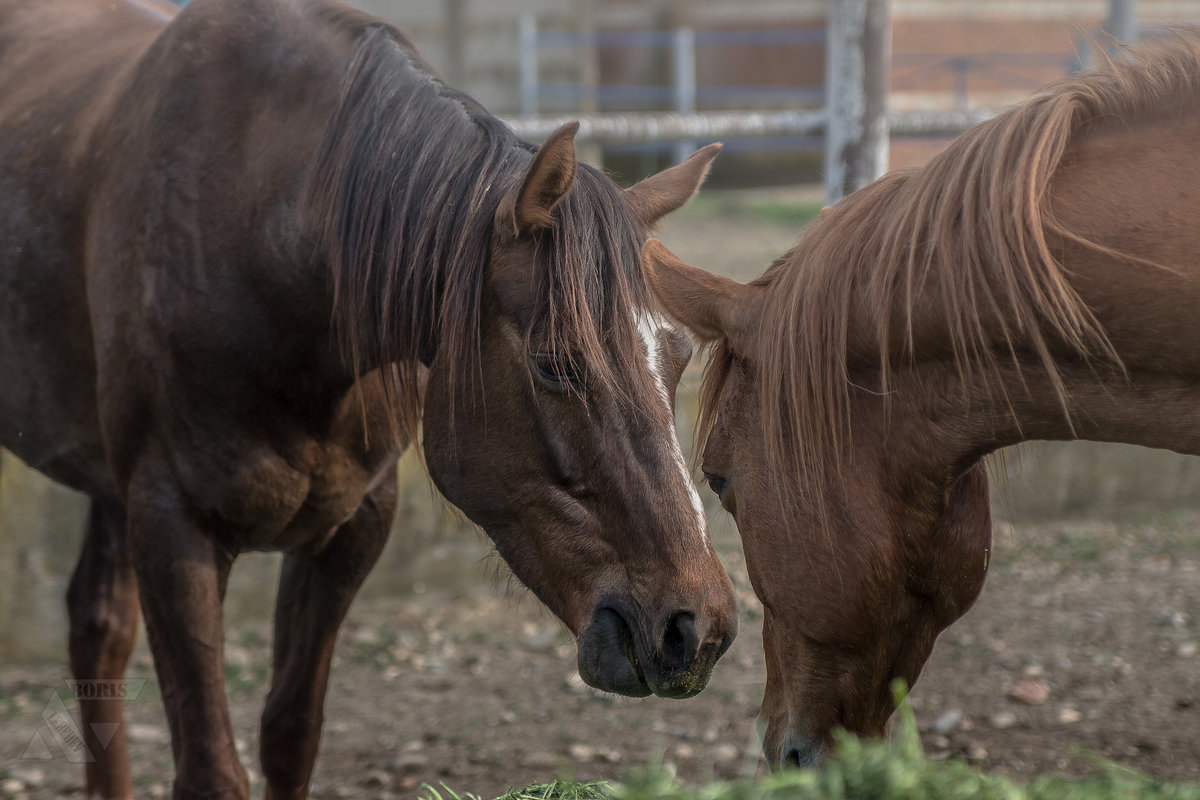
[1095, 625]
[1085, 641]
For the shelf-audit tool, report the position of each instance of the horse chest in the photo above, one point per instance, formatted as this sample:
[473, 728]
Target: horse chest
[334, 495]
[271, 502]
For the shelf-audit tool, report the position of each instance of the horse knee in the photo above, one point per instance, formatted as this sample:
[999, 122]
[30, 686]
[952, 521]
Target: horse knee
[102, 626]
[102, 631]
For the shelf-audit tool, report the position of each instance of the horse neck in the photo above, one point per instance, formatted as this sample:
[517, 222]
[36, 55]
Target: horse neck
[957, 418]
[1113, 199]
[1150, 396]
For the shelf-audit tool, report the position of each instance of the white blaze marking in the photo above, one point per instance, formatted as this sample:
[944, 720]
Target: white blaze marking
[648, 326]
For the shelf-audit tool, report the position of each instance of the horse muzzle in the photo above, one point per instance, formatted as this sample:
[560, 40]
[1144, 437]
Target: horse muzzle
[671, 659]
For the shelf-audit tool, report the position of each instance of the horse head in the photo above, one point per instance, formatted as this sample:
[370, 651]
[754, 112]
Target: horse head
[562, 444]
[858, 567]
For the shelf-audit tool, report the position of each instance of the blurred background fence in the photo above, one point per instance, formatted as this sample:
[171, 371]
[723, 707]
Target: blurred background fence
[653, 79]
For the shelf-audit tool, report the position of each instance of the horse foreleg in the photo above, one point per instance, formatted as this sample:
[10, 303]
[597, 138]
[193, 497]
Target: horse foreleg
[314, 595]
[102, 604]
[182, 574]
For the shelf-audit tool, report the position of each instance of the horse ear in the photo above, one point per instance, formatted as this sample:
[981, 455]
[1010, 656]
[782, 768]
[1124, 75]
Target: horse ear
[711, 306]
[659, 195]
[549, 178]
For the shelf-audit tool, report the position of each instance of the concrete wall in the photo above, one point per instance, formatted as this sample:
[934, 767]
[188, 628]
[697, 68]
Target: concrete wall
[41, 525]
[1091, 480]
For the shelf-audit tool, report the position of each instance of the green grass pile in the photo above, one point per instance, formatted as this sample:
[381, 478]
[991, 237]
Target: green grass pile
[555, 790]
[866, 770]
[872, 771]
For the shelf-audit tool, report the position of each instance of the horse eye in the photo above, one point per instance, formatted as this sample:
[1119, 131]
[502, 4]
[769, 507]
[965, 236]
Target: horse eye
[556, 372]
[718, 484]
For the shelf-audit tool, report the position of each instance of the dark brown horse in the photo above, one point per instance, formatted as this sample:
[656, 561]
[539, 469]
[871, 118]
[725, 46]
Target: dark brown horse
[236, 245]
[1040, 279]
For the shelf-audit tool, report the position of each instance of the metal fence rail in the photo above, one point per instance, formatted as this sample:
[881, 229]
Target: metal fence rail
[649, 127]
[683, 93]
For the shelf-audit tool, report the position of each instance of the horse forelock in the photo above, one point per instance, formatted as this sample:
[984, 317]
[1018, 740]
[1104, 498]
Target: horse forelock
[962, 241]
[590, 286]
[406, 187]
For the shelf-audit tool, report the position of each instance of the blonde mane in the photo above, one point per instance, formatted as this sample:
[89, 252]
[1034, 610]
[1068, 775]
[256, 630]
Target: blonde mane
[962, 242]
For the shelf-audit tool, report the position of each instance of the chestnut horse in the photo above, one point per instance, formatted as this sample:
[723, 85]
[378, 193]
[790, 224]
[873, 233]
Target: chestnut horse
[1039, 279]
[237, 242]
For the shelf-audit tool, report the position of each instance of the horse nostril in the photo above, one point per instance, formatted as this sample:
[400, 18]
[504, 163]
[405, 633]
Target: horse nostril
[608, 656]
[800, 751]
[680, 641]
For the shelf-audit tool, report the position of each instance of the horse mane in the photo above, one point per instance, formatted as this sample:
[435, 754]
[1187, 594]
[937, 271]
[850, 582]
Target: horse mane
[964, 241]
[405, 188]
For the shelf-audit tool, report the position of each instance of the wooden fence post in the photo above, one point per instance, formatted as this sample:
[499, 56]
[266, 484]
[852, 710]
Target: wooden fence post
[858, 64]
